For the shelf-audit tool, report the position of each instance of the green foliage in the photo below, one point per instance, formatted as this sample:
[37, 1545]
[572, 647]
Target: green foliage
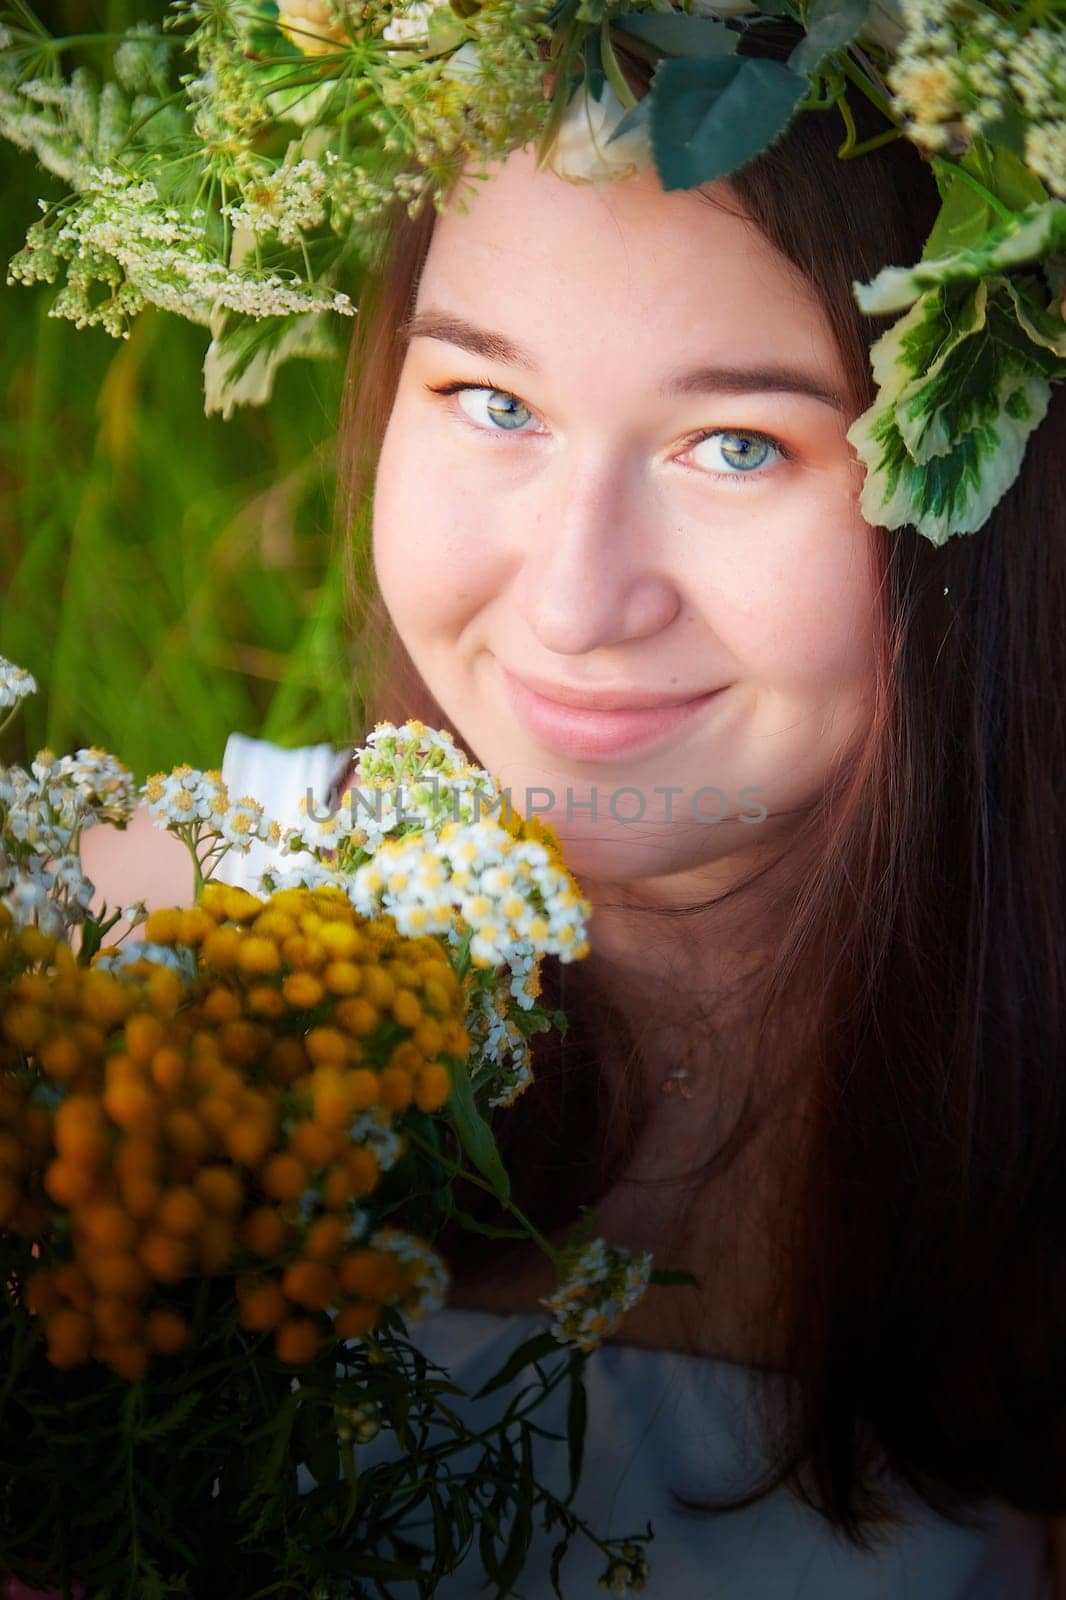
[964, 376]
[167, 577]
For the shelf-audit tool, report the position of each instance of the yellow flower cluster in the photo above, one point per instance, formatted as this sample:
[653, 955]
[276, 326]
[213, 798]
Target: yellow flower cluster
[154, 1128]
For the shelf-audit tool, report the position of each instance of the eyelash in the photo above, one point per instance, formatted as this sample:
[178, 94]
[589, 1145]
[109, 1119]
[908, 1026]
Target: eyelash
[457, 386]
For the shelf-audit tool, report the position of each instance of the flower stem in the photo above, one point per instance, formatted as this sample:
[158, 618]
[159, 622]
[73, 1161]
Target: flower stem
[457, 1170]
[952, 169]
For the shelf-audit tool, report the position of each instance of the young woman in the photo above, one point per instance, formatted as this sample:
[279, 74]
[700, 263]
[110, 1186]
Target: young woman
[810, 774]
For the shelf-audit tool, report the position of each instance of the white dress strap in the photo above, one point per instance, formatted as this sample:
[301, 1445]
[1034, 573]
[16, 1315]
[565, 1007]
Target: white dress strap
[279, 779]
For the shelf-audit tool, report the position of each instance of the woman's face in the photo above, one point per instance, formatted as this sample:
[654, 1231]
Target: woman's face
[560, 521]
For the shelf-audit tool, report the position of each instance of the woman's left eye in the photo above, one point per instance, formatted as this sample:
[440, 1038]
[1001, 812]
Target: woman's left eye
[739, 450]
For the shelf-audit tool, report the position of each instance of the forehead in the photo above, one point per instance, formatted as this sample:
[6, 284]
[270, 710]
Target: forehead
[624, 269]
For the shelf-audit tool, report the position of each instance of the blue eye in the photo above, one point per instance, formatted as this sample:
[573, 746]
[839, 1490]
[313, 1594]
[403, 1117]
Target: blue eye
[503, 409]
[740, 449]
[745, 450]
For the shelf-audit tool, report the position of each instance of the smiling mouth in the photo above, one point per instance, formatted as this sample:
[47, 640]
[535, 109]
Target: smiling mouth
[602, 701]
[586, 732]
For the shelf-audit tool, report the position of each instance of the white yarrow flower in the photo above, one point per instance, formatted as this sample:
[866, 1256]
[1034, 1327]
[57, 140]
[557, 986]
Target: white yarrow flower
[15, 683]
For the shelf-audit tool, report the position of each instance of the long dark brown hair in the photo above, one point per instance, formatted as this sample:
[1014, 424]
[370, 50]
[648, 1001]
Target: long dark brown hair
[926, 1251]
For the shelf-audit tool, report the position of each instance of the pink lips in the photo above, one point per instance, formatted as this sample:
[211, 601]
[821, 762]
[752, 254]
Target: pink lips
[592, 733]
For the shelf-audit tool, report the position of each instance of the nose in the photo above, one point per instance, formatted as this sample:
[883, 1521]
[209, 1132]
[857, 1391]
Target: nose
[593, 573]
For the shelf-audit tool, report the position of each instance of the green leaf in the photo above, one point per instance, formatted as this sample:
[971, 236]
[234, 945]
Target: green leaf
[167, 1421]
[595, 76]
[671, 1275]
[710, 117]
[540, 1345]
[831, 24]
[576, 1420]
[1004, 173]
[1040, 324]
[472, 1223]
[680, 35]
[962, 221]
[1036, 233]
[966, 216]
[446, 30]
[961, 387]
[475, 1135]
[442, 1533]
[1008, 134]
[522, 1526]
[241, 363]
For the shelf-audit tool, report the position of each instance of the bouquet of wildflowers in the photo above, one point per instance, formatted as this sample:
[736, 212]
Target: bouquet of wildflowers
[227, 1142]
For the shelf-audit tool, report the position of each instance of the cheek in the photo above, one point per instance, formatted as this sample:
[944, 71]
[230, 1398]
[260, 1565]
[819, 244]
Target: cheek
[429, 544]
[803, 617]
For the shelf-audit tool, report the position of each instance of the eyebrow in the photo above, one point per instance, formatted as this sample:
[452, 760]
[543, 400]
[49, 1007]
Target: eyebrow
[707, 379]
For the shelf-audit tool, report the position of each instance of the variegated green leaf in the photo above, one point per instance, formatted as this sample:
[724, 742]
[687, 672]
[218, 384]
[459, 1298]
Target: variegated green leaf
[243, 358]
[961, 386]
[1039, 232]
[950, 494]
[956, 392]
[1042, 326]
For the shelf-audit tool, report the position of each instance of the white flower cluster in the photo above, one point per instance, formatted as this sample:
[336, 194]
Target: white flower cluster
[15, 683]
[188, 798]
[497, 1039]
[43, 814]
[406, 780]
[374, 1129]
[415, 838]
[196, 806]
[227, 104]
[961, 70]
[41, 818]
[142, 59]
[358, 1424]
[67, 126]
[627, 1572]
[104, 784]
[39, 810]
[1038, 74]
[53, 895]
[122, 234]
[511, 895]
[308, 875]
[287, 203]
[181, 958]
[185, 795]
[432, 1277]
[598, 1288]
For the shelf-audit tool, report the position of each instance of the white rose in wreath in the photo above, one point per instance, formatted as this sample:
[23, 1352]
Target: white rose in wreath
[580, 152]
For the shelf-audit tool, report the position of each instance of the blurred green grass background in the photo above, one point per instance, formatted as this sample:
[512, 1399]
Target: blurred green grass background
[167, 577]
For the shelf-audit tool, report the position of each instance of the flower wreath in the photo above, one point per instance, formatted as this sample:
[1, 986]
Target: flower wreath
[244, 197]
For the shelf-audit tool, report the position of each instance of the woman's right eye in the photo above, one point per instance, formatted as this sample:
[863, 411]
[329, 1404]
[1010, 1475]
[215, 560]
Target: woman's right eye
[503, 409]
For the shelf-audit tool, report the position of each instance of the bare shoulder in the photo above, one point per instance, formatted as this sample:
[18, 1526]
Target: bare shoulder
[142, 863]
